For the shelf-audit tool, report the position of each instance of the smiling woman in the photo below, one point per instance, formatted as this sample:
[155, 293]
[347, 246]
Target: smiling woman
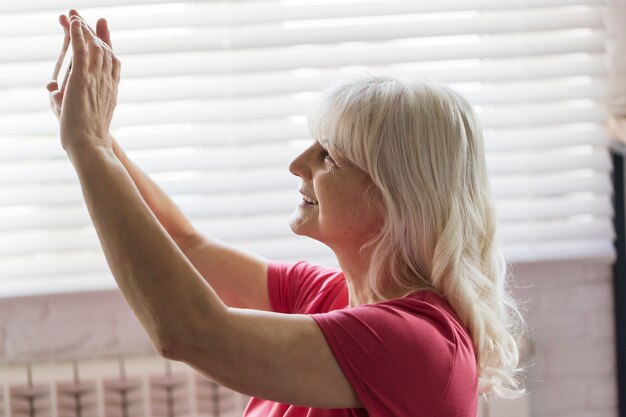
[398, 191]
[417, 319]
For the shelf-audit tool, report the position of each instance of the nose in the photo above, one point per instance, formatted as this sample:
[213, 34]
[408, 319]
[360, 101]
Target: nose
[299, 166]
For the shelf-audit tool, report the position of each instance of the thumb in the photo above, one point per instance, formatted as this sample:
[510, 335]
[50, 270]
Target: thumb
[52, 86]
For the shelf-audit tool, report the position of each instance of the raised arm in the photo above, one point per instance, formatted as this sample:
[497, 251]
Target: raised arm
[238, 277]
[280, 357]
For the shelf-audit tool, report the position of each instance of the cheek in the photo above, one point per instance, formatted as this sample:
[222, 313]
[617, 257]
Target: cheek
[349, 215]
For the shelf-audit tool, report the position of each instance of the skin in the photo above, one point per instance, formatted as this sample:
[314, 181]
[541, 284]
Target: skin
[342, 219]
[279, 357]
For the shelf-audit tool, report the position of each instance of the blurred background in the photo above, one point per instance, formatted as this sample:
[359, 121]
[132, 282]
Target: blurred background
[213, 103]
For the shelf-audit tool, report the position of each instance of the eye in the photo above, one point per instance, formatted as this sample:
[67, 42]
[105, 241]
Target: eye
[327, 156]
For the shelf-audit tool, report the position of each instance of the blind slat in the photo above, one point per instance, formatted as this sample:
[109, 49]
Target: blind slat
[182, 49]
[72, 239]
[282, 202]
[274, 179]
[280, 131]
[266, 156]
[251, 11]
[23, 77]
[85, 261]
[38, 123]
[562, 250]
[270, 227]
[222, 94]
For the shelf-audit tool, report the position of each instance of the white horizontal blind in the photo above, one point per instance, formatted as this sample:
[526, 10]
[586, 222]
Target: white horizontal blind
[213, 105]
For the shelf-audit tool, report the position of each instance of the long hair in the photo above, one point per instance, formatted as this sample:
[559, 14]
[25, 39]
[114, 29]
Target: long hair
[421, 144]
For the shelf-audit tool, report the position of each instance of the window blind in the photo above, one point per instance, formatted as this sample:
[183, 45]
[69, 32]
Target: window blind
[213, 103]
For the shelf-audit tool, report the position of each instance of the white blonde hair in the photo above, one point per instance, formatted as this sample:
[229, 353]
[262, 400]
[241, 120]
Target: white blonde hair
[422, 145]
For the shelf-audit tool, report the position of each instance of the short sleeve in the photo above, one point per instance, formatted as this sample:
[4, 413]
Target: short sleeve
[301, 287]
[398, 363]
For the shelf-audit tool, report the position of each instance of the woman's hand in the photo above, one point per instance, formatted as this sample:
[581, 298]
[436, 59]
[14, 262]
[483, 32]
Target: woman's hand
[85, 108]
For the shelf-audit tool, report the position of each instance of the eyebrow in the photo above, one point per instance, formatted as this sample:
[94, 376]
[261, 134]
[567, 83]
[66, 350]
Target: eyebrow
[320, 144]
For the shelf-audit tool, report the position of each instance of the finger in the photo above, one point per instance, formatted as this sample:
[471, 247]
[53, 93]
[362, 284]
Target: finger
[74, 15]
[74, 12]
[107, 60]
[57, 99]
[96, 52]
[52, 86]
[65, 22]
[80, 59]
[59, 63]
[102, 30]
[115, 71]
[66, 42]
[111, 63]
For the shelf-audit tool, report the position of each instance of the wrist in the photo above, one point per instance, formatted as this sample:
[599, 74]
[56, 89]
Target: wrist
[86, 143]
[84, 153]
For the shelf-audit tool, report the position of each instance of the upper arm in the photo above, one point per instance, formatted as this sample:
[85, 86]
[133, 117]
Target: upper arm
[237, 276]
[278, 357]
[378, 357]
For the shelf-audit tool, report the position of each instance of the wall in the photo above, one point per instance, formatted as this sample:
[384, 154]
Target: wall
[572, 340]
[569, 311]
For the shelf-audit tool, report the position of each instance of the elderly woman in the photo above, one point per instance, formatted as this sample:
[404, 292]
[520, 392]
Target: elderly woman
[416, 322]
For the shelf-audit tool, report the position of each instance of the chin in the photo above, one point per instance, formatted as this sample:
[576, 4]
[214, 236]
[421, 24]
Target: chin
[296, 225]
[301, 228]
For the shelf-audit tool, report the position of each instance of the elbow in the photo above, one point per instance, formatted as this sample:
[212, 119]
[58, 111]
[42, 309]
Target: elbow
[176, 345]
[168, 344]
[168, 350]
[164, 344]
[197, 338]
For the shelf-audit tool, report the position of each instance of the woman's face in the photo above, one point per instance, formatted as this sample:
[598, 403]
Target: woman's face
[338, 215]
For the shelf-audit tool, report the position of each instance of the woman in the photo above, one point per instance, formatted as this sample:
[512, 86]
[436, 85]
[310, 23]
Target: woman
[416, 322]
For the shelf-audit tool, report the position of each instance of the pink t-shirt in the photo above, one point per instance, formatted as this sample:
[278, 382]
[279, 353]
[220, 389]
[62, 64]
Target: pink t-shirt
[408, 357]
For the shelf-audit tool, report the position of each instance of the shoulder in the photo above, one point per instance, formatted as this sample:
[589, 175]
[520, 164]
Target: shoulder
[398, 354]
[416, 323]
[431, 310]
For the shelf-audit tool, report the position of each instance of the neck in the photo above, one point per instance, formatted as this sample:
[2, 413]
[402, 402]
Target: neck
[355, 269]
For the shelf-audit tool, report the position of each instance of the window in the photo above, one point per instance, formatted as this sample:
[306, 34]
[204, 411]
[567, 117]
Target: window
[213, 104]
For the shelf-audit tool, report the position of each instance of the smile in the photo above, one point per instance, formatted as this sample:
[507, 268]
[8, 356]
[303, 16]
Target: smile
[309, 200]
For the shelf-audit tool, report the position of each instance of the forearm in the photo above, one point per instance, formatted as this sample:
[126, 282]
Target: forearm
[228, 270]
[161, 286]
[167, 212]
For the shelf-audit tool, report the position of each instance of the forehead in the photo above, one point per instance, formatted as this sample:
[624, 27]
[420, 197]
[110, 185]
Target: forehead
[322, 141]
[322, 144]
